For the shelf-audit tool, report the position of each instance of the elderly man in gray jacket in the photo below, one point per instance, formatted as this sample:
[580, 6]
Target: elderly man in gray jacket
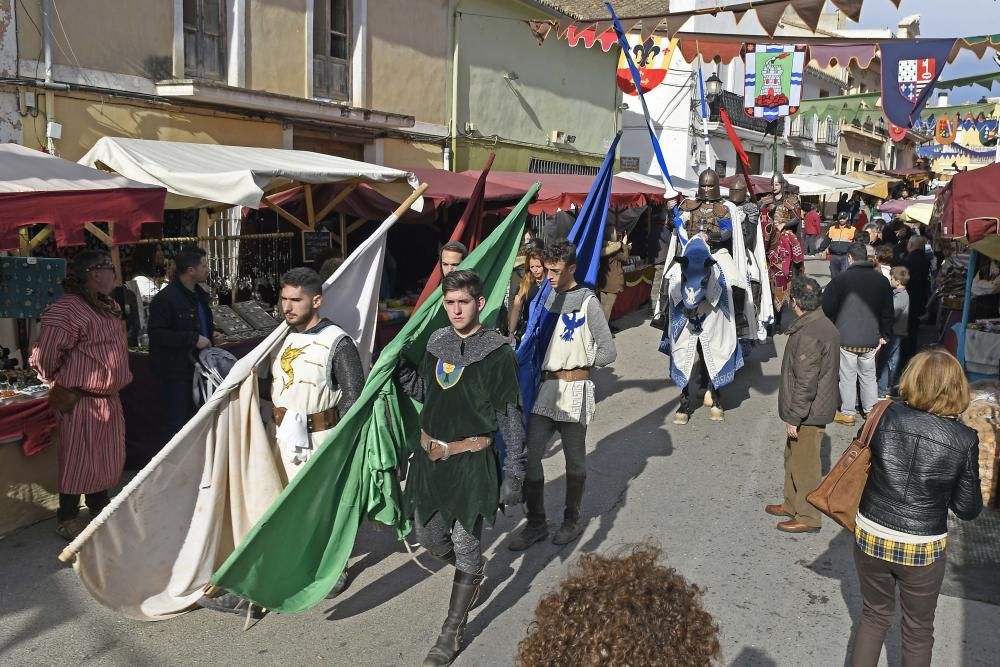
[807, 401]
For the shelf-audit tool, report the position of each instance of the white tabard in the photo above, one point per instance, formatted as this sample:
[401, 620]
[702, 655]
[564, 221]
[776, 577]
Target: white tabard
[572, 346]
[300, 373]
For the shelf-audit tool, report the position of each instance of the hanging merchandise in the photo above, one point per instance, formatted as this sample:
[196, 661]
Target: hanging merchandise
[773, 81]
[909, 70]
[944, 133]
[29, 284]
[651, 57]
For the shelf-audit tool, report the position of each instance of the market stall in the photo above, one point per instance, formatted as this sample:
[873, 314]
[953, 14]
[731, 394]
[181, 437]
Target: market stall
[217, 183]
[43, 197]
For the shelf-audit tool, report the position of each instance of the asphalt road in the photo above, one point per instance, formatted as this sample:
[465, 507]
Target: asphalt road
[697, 490]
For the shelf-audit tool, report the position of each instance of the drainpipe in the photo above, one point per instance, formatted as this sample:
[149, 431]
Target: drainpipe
[50, 104]
[455, 35]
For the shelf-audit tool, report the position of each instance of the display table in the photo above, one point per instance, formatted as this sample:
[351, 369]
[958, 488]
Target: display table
[29, 481]
[638, 287]
[143, 405]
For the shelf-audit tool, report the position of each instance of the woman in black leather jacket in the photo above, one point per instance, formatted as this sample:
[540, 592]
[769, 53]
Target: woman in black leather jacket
[924, 462]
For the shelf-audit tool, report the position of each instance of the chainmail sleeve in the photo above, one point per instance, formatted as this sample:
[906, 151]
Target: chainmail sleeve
[510, 423]
[604, 343]
[410, 380]
[346, 371]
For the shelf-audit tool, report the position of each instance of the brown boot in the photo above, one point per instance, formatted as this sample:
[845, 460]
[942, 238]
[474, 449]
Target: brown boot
[464, 591]
[536, 530]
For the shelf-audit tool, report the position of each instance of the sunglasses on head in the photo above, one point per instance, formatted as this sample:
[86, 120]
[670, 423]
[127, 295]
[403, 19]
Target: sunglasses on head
[102, 267]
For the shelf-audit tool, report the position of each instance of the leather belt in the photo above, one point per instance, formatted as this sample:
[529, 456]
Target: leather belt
[571, 375]
[438, 450]
[318, 421]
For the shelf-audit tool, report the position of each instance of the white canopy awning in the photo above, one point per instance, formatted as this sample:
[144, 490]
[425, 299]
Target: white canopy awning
[682, 185]
[197, 175]
[824, 184]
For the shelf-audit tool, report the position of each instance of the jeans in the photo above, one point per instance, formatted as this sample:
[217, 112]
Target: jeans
[838, 263]
[918, 594]
[888, 365]
[574, 445]
[439, 538]
[855, 369]
[812, 243]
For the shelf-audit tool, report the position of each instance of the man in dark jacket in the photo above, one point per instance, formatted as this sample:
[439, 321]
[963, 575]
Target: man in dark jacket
[859, 302]
[807, 402]
[919, 291]
[180, 323]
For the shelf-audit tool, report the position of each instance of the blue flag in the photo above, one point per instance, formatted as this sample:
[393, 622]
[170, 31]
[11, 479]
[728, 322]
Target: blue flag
[587, 235]
[909, 70]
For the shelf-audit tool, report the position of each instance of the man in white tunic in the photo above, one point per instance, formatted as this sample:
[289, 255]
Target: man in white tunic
[581, 340]
[316, 376]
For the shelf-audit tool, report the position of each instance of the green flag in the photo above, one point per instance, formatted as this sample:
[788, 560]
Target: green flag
[294, 555]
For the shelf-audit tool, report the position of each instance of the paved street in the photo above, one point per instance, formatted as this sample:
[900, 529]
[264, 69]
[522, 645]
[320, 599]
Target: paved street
[698, 490]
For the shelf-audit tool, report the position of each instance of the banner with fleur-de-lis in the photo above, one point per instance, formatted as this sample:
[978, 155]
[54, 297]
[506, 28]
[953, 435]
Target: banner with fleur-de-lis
[652, 58]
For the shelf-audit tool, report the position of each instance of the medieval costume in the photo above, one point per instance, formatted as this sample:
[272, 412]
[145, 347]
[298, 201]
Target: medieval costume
[82, 352]
[316, 376]
[565, 404]
[469, 390]
[780, 216]
[760, 287]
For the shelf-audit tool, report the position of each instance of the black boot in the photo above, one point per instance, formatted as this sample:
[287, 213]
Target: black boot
[571, 526]
[464, 592]
[536, 530]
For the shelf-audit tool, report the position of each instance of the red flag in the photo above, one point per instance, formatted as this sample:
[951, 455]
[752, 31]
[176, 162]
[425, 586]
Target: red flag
[468, 231]
[738, 145]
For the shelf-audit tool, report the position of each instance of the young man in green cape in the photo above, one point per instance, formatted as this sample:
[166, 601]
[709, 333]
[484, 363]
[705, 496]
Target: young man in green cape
[467, 382]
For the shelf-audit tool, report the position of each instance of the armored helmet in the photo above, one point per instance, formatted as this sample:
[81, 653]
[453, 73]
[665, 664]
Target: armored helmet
[738, 190]
[708, 186]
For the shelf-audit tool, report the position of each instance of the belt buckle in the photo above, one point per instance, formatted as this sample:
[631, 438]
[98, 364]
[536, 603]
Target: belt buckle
[444, 444]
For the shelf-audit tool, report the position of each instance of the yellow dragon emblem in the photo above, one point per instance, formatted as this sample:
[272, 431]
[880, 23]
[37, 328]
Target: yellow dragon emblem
[288, 355]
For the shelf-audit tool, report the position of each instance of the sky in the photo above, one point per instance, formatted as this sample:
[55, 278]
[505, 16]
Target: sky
[942, 18]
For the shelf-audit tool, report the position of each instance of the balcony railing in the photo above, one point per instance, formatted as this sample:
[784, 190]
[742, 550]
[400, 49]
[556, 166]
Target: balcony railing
[828, 133]
[802, 128]
[733, 104]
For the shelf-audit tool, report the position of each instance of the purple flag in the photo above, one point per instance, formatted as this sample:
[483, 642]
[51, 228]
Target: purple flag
[909, 70]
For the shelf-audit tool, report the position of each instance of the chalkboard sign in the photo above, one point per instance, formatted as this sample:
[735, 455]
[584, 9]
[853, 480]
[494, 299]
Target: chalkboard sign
[314, 244]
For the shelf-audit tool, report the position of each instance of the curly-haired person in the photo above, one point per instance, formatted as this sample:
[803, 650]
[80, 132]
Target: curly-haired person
[621, 610]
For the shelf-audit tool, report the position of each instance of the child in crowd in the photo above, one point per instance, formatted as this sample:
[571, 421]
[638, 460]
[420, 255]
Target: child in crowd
[889, 371]
[883, 259]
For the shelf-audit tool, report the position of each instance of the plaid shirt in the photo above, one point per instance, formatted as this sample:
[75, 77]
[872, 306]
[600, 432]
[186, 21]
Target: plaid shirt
[899, 552]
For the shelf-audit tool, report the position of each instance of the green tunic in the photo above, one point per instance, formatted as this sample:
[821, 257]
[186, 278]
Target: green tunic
[462, 401]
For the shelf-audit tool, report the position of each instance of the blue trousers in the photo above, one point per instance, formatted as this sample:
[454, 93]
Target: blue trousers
[888, 365]
[837, 264]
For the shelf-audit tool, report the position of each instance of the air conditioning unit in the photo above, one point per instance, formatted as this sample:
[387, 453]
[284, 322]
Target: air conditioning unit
[557, 137]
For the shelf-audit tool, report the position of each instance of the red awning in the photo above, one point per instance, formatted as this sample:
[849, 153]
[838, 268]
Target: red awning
[444, 189]
[560, 192]
[38, 188]
[761, 184]
[971, 195]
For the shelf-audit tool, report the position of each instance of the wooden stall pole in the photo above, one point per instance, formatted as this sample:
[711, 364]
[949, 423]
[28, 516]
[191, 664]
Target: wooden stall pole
[108, 240]
[343, 236]
[286, 215]
[341, 196]
[27, 242]
[310, 211]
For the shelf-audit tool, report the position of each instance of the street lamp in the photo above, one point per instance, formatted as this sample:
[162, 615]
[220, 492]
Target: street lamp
[713, 86]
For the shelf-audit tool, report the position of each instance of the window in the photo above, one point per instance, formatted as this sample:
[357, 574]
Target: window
[205, 39]
[844, 165]
[331, 49]
[791, 164]
[824, 93]
[537, 165]
[720, 168]
[754, 162]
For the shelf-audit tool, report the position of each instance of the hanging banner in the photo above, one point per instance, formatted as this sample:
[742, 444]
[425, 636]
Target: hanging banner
[944, 132]
[773, 81]
[896, 133]
[909, 70]
[651, 57]
[988, 132]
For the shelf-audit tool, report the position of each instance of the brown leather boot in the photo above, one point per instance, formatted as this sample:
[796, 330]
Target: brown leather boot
[464, 591]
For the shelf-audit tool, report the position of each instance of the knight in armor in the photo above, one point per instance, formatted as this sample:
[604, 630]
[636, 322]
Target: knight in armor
[750, 226]
[717, 222]
[315, 377]
[780, 215]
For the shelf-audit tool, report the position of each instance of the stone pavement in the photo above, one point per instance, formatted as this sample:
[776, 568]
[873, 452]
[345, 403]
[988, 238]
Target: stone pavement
[698, 490]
